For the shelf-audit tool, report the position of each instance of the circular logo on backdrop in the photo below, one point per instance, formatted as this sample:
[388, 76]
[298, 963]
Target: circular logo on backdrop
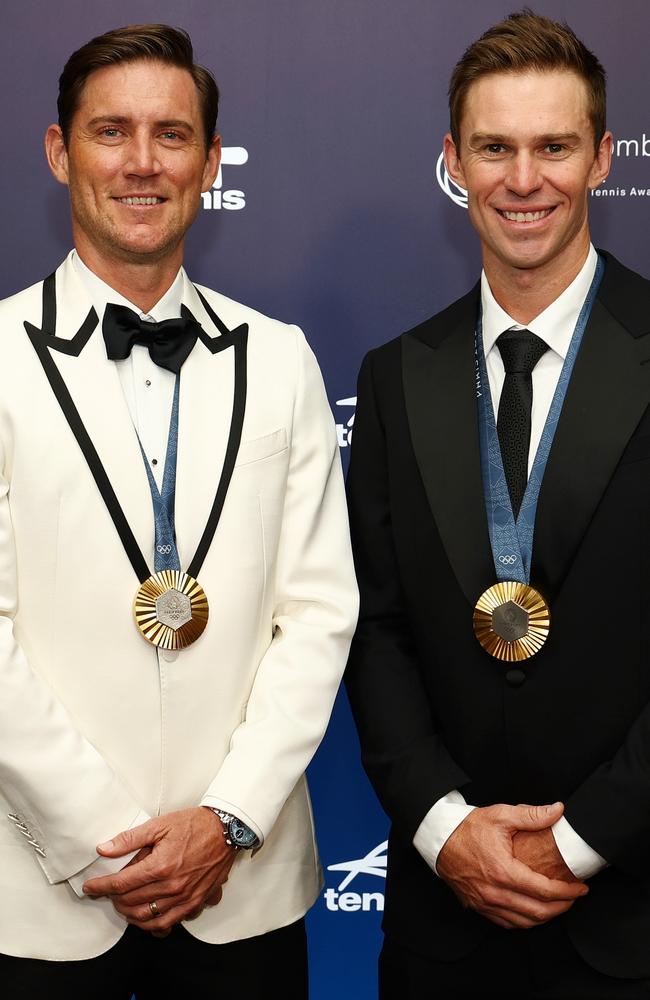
[454, 191]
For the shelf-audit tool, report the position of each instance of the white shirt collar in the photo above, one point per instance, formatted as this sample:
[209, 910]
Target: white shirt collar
[555, 325]
[168, 307]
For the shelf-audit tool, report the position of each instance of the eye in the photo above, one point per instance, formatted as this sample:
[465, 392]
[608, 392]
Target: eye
[110, 132]
[555, 147]
[494, 148]
[171, 135]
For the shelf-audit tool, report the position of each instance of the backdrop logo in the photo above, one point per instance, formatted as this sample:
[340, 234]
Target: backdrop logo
[374, 863]
[232, 199]
[454, 191]
[344, 431]
[628, 151]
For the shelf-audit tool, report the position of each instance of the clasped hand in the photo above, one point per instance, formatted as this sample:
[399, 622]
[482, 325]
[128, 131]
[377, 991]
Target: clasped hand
[182, 863]
[502, 861]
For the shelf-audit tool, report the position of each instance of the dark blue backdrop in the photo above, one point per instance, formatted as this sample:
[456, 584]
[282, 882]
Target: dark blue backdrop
[328, 213]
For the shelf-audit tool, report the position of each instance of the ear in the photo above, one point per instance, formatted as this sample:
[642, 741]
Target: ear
[56, 153]
[602, 161]
[452, 161]
[211, 168]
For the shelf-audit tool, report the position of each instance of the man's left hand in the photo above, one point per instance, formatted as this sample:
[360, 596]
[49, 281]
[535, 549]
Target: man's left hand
[538, 850]
[188, 863]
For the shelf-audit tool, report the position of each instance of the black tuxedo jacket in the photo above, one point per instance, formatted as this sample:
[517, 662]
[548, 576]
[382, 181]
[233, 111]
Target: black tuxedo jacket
[434, 711]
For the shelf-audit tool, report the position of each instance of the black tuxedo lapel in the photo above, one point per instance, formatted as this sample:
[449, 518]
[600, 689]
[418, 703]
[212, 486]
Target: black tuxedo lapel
[438, 362]
[607, 396]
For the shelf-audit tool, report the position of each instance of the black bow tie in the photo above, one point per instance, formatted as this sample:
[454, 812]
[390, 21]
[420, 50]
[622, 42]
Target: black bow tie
[169, 342]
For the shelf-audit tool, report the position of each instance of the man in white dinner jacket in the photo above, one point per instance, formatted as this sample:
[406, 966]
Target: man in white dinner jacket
[137, 779]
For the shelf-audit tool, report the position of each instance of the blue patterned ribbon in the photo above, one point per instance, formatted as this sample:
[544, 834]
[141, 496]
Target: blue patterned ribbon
[166, 552]
[512, 541]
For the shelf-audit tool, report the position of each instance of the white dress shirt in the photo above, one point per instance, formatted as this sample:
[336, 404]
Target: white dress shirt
[555, 326]
[149, 394]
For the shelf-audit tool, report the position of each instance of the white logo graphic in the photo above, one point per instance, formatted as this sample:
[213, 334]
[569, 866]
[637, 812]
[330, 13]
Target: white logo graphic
[232, 200]
[454, 191]
[374, 863]
[633, 147]
[344, 431]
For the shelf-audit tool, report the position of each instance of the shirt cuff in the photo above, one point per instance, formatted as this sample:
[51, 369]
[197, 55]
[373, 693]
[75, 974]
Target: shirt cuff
[438, 825]
[576, 852]
[106, 866]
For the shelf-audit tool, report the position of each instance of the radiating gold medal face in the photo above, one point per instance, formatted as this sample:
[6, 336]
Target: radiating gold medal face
[511, 621]
[171, 609]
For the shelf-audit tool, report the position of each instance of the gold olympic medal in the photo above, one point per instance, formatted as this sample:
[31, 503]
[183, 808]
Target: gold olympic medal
[171, 609]
[511, 621]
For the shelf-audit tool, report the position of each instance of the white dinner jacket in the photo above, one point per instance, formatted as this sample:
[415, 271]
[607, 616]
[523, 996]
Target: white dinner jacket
[94, 722]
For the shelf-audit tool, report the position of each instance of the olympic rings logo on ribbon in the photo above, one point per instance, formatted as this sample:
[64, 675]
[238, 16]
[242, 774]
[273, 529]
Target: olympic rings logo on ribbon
[508, 560]
[164, 550]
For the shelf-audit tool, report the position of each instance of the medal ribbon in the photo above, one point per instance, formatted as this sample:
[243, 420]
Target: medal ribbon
[166, 552]
[512, 541]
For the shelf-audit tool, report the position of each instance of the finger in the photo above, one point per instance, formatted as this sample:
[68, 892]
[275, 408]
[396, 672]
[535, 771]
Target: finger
[507, 919]
[131, 877]
[532, 910]
[144, 917]
[524, 879]
[215, 897]
[164, 923]
[525, 817]
[178, 887]
[143, 835]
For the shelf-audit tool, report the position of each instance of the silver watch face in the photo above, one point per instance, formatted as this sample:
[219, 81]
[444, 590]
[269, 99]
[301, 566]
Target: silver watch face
[241, 835]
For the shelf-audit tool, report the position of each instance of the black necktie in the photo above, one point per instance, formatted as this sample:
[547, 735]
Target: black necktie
[169, 342]
[520, 351]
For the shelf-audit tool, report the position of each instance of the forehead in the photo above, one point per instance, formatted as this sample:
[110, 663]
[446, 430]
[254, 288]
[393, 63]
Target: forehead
[143, 88]
[535, 101]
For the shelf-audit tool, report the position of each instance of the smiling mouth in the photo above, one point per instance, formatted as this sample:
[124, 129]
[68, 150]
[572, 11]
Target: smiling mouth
[525, 216]
[137, 200]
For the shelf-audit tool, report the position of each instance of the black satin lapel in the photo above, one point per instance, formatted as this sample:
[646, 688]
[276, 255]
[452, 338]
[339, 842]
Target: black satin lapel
[607, 395]
[439, 387]
[47, 331]
[226, 338]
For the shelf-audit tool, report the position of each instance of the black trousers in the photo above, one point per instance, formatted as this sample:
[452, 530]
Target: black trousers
[538, 964]
[178, 966]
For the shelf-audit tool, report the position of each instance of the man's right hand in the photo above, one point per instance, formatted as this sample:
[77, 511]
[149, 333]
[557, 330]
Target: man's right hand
[478, 863]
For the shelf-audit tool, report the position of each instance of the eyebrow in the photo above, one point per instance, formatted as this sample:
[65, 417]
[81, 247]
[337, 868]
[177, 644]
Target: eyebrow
[125, 120]
[491, 137]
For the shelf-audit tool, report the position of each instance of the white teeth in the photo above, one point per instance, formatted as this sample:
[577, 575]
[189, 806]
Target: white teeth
[140, 201]
[526, 216]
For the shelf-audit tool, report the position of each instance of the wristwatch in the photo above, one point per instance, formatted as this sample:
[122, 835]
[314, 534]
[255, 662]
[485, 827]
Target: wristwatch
[237, 834]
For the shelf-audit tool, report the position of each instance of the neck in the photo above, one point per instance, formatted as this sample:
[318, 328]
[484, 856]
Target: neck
[143, 284]
[524, 293]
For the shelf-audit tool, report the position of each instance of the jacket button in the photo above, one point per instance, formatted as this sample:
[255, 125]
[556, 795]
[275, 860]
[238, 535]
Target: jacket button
[515, 677]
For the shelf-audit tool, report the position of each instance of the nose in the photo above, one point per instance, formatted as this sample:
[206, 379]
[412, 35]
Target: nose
[142, 159]
[523, 176]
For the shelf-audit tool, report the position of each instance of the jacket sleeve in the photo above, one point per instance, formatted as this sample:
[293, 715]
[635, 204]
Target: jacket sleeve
[314, 614]
[402, 752]
[610, 810]
[60, 794]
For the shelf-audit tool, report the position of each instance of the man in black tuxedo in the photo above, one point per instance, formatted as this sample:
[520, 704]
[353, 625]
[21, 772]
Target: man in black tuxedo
[458, 722]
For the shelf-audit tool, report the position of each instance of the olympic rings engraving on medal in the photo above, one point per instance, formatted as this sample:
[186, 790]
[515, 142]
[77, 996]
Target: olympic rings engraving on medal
[508, 560]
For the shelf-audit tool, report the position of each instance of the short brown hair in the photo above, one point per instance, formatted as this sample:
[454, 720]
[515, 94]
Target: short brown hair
[527, 41]
[156, 42]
